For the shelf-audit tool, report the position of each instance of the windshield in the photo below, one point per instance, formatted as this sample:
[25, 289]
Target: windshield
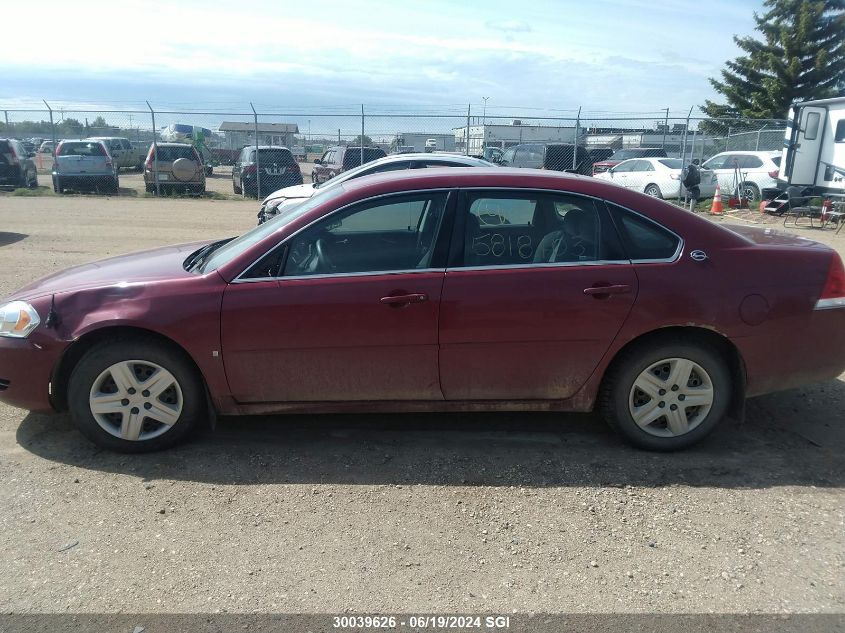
[672, 163]
[230, 250]
[361, 170]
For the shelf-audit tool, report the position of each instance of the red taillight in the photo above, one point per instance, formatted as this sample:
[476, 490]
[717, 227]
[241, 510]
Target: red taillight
[774, 174]
[833, 293]
[250, 169]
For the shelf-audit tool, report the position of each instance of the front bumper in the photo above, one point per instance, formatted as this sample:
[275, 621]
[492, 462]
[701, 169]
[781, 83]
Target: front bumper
[26, 368]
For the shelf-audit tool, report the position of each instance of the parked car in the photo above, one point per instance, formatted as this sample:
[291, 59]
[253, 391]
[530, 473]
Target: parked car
[626, 154]
[278, 169]
[298, 152]
[657, 177]
[47, 147]
[16, 167]
[340, 158]
[279, 200]
[745, 174]
[28, 147]
[124, 154]
[554, 156]
[180, 169]
[84, 165]
[446, 290]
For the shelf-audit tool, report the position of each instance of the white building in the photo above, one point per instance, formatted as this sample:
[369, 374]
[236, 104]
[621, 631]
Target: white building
[445, 142]
[239, 134]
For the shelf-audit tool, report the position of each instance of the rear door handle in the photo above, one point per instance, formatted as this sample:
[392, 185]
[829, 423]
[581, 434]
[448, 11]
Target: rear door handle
[403, 300]
[599, 291]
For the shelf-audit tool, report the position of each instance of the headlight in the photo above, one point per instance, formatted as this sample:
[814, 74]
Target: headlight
[273, 204]
[18, 319]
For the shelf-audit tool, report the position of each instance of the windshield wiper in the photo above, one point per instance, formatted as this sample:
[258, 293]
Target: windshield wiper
[198, 258]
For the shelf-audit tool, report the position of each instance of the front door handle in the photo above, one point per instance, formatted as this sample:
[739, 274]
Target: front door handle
[602, 292]
[397, 301]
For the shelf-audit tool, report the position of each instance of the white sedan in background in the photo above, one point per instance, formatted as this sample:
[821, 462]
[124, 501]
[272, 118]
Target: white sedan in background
[658, 177]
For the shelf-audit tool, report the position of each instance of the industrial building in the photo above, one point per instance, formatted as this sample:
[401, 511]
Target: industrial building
[239, 134]
[445, 142]
[504, 136]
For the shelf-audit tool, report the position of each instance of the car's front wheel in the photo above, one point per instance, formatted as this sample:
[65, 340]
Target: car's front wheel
[135, 395]
[666, 396]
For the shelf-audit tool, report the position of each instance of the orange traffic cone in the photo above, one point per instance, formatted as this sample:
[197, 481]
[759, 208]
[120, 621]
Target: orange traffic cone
[716, 207]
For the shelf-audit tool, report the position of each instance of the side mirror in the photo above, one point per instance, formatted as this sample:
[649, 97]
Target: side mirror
[317, 161]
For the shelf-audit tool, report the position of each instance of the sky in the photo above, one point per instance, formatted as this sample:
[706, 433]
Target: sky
[427, 55]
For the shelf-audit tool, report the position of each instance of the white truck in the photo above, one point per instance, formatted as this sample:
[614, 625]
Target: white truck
[814, 147]
[122, 151]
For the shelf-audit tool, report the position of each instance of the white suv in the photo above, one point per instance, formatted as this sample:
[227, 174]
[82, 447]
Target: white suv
[745, 173]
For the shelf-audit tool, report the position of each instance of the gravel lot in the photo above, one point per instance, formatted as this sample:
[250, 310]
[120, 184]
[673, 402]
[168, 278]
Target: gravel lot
[410, 513]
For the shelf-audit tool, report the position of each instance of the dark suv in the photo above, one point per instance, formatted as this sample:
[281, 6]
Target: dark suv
[339, 159]
[625, 154]
[556, 156]
[16, 166]
[278, 167]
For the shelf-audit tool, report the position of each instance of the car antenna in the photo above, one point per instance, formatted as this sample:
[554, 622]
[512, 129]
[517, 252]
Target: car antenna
[53, 319]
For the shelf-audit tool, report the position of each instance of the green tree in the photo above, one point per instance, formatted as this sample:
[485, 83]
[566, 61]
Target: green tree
[357, 142]
[799, 55]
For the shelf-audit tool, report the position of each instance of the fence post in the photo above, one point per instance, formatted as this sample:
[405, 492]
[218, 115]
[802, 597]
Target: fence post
[466, 136]
[155, 150]
[362, 133]
[6, 115]
[757, 147]
[665, 127]
[575, 143]
[52, 126]
[257, 158]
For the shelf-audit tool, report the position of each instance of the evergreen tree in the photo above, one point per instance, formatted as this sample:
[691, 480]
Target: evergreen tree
[800, 56]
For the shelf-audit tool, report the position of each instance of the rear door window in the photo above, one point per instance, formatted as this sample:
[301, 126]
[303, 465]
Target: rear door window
[840, 132]
[811, 126]
[749, 162]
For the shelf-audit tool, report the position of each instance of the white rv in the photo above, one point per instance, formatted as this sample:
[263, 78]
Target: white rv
[814, 146]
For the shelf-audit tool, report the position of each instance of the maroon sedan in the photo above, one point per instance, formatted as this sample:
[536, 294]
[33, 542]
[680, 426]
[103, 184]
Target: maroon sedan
[447, 290]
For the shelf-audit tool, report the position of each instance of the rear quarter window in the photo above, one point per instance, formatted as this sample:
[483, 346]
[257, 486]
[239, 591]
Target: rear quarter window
[643, 239]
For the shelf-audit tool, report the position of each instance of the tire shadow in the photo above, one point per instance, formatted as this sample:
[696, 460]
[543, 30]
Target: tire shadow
[7, 238]
[787, 439]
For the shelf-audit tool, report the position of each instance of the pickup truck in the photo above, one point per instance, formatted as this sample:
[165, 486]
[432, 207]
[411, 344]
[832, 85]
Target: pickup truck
[125, 155]
[84, 164]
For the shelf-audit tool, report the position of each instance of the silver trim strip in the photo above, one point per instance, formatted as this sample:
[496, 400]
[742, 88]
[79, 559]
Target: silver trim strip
[617, 262]
[830, 304]
[374, 273]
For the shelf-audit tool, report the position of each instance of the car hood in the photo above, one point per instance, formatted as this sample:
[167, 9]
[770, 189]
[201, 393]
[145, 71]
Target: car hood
[296, 191]
[160, 264]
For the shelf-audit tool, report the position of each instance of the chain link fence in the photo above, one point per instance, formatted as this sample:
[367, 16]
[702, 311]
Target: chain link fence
[253, 151]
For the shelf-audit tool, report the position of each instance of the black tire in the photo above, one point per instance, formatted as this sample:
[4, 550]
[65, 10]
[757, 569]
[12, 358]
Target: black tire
[57, 187]
[236, 189]
[619, 381]
[33, 182]
[107, 353]
[150, 188]
[750, 191]
[653, 191]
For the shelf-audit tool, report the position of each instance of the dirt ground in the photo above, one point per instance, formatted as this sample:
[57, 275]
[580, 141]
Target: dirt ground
[404, 513]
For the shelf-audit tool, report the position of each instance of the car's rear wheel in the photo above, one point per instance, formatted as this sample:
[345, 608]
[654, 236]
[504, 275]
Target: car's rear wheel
[57, 185]
[235, 188]
[750, 192]
[653, 191]
[666, 396]
[135, 395]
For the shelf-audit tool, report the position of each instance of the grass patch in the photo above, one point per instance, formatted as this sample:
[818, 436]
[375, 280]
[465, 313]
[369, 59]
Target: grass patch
[38, 191]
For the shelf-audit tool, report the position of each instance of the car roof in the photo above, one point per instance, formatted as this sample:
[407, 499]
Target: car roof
[423, 156]
[266, 147]
[750, 152]
[172, 144]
